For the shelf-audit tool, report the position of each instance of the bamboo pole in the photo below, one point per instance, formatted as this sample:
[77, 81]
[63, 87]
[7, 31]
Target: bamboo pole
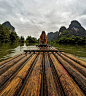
[53, 89]
[15, 85]
[80, 68]
[77, 76]
[5, 76]
[8, 60]
[68, 86]
[75, 59]
[6, 67]
[33, 85]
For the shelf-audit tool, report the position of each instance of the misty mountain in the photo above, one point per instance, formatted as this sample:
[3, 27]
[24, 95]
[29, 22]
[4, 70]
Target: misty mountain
[52, 36]
[8, 25]
[76, 28]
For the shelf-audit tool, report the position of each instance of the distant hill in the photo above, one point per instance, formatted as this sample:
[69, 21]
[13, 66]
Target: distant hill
[8, 25]
[52, 36]
[76, 28]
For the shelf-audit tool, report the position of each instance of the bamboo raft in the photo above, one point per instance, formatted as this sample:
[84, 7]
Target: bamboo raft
[43, 72]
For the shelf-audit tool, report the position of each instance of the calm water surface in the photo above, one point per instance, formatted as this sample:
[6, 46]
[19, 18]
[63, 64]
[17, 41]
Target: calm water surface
[8, 50]
[78, 51]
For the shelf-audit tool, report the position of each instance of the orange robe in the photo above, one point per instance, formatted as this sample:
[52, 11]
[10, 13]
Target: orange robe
[43, 38]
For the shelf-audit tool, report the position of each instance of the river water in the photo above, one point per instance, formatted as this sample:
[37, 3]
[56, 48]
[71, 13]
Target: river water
[8, 50]
[76, 50]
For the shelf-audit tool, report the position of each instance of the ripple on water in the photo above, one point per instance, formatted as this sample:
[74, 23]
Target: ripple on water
[79, 51]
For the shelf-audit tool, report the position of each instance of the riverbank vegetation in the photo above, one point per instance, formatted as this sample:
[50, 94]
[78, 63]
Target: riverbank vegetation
[75, 34]
[67, 36]
[73, 39]
[7, 36]
[30, 39]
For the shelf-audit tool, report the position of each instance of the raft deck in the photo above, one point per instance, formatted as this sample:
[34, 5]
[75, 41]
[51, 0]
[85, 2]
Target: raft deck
[43, 72]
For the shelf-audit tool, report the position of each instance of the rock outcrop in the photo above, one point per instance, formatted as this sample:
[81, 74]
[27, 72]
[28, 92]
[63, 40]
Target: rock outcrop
[8, 25]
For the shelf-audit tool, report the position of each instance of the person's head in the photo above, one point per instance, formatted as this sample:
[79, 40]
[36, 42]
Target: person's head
[43, 32]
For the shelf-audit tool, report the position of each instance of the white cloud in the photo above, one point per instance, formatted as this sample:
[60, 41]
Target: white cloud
[30, 17]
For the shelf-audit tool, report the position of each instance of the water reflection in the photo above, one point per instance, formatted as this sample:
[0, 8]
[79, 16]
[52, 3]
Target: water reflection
[78, 51]
[8, 50]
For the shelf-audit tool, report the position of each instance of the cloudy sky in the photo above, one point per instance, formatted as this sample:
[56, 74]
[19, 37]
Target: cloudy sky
[31, 17]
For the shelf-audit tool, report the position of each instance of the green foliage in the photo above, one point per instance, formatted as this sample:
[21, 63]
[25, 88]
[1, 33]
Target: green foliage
[68, 36]
[22, 39]
[30, 39]
[4, 34]
[73, 39]
[52, 36]
[62, 29]
[65, 33]
[14, 37]
[75, 33]
[7, 36]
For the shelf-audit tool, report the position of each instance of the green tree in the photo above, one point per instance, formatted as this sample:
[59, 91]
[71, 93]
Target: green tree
[4, 34]
[14, 37]
[22, 39]
[62, 29]
[30, 39]
[7, 36]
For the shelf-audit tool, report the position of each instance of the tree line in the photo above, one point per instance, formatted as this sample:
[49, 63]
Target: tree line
[73, 39]
[68, 36]
[7, 36]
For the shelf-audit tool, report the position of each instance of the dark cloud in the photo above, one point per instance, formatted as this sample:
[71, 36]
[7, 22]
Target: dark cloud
[30, 17]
